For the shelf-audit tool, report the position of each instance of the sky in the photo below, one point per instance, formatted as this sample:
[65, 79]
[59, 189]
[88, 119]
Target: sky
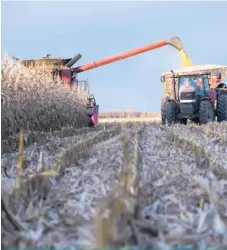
[104, 28]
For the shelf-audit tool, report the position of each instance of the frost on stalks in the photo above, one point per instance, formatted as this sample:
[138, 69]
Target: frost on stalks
[32, 101]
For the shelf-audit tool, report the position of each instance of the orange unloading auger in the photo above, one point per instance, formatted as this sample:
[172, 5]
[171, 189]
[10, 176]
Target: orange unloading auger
[173, 41]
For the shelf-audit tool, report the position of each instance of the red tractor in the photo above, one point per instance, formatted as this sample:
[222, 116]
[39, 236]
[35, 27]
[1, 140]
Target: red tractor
[195, 93]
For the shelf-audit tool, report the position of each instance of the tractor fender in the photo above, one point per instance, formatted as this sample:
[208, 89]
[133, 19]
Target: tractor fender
[165, 100]
[222, 91]
[169, 100]
[205, 98]
[221, 88]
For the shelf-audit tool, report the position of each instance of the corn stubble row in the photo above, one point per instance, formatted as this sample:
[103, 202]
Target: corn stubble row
[33, 102]
[11, 144]
[190, 188]
[119, 218]
[33, 196]
[212, 158]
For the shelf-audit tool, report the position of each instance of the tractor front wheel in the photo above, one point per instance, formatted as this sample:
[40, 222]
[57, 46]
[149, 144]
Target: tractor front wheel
[170, 112]
[222, 107]
[206, 112]
[183, 121]
[195, 120]
[163, 111]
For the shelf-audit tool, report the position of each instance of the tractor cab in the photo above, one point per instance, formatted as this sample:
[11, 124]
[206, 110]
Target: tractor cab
[191, 89]
[197, 84]
[92, 110]
[195, 93]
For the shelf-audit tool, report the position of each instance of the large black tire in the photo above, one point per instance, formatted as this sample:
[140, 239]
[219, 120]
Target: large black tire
[183, 121]
[163, 111]
[170, 113]
[206, 112]
[222, 107]
[195, 120]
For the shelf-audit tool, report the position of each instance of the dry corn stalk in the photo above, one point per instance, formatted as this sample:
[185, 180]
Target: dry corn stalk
[30, 100]
[20, 164]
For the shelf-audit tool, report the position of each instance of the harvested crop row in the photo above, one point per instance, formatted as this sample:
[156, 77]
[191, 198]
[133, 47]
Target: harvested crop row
[30, 101]
[216, 132]
[12, 143]
[51, 151]
[209, 152]
[37, 188]
[145, 182]
[184, 209]
[67, 191]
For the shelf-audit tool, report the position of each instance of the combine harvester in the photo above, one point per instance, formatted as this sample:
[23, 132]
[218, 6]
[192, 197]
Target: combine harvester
[61, 70]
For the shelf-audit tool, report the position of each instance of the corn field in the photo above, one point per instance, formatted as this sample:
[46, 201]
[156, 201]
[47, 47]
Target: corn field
[32, 102]
[131, 185]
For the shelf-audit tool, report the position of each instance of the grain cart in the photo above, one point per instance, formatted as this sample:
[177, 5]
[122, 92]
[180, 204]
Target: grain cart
[195, 93]
[61, 68]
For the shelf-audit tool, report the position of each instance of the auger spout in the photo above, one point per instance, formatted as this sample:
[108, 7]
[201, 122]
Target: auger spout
[120, 56]
[173, 41]
[177, 44]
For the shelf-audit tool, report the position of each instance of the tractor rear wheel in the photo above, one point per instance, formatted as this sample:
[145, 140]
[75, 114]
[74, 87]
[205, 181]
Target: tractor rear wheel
[222, 107]
[206, 112]
[170, 112]
[163, 111]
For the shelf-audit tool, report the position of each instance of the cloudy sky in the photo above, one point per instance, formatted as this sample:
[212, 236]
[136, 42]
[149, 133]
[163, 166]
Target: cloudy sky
[101, 29]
